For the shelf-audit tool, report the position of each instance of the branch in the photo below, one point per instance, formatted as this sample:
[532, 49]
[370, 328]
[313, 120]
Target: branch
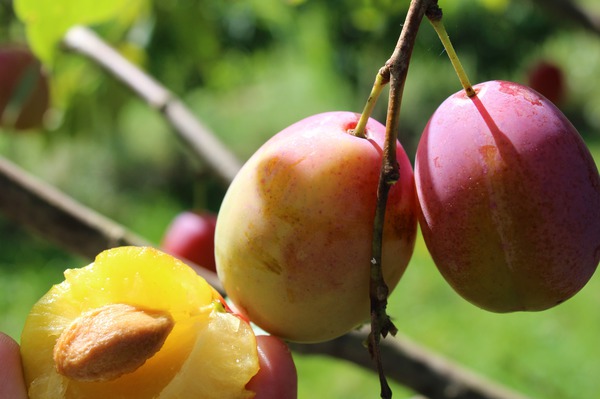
[573, 11]
[60, 219]
[415, 367]
[396, 70]
[203, 142]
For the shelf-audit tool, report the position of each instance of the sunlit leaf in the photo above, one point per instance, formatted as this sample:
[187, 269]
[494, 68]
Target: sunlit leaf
[47, 21]
[496, 5]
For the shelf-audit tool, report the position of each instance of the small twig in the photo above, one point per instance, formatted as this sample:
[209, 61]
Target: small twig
[434, 14]
[380, 81]
[396, 68]
[202, 141]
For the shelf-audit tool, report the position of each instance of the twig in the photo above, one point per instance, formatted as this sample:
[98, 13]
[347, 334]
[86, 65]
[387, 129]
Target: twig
[381, 80]
[435, 15]
[202, 141]
[396, 69]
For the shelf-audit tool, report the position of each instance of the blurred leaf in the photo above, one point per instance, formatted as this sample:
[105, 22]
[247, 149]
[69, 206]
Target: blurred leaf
[47, 20]
[368, 18]
[496, 5]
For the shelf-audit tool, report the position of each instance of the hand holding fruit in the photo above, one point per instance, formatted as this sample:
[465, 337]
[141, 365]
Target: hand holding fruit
[12, 385]
[276, 378]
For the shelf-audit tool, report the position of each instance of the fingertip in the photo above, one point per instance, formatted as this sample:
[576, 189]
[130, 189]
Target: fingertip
[12, 384]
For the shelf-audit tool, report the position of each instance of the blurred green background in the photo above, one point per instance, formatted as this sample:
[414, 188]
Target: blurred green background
[248, 69]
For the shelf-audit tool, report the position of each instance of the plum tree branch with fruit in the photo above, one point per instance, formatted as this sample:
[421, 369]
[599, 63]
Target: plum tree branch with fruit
[394, 71]
[69, 224]
[479, 202]
[519, 293]
[60, 219]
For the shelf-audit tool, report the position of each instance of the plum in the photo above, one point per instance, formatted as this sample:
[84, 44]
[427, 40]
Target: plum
[191, 236]
[509, 199]
[24, 89]
[548, 79]
[294, 232]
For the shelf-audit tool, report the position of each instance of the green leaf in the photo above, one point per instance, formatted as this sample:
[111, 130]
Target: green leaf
[496, 5]
[47, 21]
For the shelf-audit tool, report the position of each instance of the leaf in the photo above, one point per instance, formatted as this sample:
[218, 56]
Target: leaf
[496, 5]
[47, 21]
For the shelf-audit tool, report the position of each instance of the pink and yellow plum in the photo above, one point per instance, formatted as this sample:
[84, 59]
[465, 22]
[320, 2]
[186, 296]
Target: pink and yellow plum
[294, 232]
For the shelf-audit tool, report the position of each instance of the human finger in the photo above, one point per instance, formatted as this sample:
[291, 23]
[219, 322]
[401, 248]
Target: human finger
[12, 384]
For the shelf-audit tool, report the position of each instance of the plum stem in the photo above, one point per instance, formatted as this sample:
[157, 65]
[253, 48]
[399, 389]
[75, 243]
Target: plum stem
[395, 71]
[434, 15]
[380, 81]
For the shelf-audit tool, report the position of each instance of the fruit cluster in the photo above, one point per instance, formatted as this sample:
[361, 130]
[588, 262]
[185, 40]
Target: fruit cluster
[505, 191]
[507, 196]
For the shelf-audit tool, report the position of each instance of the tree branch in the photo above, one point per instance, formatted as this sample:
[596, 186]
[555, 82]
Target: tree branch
[396, 70]
[415, 367]
[53, 215]
[203, 142]
[569, 9]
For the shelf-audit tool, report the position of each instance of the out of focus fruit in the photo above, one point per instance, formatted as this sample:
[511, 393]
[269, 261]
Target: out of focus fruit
[294, 233]
[510, 199]
[136, 323]
[24, 92]
[191, 236]
[548, 79]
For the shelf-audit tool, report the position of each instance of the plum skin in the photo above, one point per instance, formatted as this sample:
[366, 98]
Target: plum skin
[509, 199]
[294, 232]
